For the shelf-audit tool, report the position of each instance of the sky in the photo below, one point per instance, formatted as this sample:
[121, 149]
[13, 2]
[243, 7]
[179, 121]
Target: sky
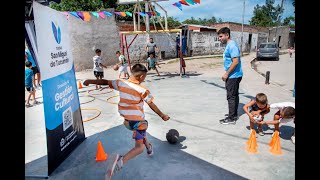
[227, 10]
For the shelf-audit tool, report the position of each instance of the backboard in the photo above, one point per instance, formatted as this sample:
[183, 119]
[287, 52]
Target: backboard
[135, 1]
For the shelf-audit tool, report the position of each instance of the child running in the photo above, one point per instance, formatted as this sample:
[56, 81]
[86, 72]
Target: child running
[132, 98]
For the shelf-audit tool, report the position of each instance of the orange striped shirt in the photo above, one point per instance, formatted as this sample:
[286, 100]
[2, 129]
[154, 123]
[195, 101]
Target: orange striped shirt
[132, 97]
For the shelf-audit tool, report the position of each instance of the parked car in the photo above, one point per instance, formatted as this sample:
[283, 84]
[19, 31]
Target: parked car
[268, 51]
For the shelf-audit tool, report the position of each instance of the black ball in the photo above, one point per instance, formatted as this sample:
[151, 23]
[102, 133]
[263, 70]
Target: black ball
[172, 136]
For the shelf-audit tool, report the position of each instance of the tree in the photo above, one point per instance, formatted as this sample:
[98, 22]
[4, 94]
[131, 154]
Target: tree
[77, 5]
[190, 21]
[200, 21]
[266, 15]
[172, 22]
[289, 21]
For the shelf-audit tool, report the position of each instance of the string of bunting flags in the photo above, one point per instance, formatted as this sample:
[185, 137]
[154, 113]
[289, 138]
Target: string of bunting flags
[86, 16]
[186, 3]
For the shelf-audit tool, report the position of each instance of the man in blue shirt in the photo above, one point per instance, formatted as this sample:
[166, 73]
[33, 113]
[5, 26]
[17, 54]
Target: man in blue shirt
[233, 74]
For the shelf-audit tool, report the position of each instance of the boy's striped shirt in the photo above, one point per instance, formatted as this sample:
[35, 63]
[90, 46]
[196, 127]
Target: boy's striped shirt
[132, 95]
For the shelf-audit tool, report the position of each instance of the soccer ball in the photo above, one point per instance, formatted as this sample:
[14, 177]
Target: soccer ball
[257, 118]
[172, 136]
[115, 67]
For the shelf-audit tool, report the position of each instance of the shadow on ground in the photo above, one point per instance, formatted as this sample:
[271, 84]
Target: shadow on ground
[285, 131]
[214, 84]
[168, 162]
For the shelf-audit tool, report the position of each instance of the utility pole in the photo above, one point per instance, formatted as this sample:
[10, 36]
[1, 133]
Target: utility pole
[244, 2]
[278, 19]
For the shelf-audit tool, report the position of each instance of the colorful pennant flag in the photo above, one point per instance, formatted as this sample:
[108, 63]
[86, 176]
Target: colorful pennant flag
[74, 14]
[86, 16]
[141, 14]
[184, 2]
[80, 15]
[197, 1]
[123, 14]
[101, 14]
[67, 14]
[158, 14]
[95, 14]
[178, 5]
[129, 14]
[149, 13]
[107, 13]
[190, 2]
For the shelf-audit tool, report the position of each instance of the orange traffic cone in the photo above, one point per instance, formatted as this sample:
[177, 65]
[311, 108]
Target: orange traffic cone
[101, 155]
[79, 85]
[275, 147]
[252, 146]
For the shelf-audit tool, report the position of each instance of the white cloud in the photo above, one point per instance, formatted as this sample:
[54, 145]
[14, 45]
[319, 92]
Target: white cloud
[228, 10]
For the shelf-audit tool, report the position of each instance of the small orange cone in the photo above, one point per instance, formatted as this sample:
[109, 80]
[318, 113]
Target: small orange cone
[101, 155]
[275, 147]
[252, 146]
[79, 85]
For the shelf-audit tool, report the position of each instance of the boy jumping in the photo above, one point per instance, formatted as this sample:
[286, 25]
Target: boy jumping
[132, 98]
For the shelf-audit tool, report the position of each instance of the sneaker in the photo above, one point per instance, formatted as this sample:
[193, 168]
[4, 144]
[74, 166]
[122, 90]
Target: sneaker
[28, 105]
[36, 102]
[150, 150]
[260, 132]
[293, 139]
[228, 120]
[116, 165]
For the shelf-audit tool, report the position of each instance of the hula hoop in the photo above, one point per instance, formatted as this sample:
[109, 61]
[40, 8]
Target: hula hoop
[93, 98]
[100, 90]
[89, 119]
[111, 98]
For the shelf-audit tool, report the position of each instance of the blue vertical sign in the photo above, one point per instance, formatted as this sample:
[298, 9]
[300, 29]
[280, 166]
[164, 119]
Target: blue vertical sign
[64, 126]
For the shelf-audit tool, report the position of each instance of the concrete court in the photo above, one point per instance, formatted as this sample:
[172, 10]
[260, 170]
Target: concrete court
[208, 150]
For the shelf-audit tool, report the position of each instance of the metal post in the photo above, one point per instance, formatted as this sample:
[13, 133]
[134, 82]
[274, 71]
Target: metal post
[165, 15]
[278, 18]
[267, 77]
[134, 16]
[127, 48]
[147, 17]
[244, 2]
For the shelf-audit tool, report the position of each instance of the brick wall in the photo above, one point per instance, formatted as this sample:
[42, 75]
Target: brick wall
[282, 31]
[127, 26]
[85, 37]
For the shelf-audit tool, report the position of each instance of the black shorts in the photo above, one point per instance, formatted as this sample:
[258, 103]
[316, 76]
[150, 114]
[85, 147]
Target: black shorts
[149, 68]
[30, 89]
[98, 74]
[154, 54]
[35, 70]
